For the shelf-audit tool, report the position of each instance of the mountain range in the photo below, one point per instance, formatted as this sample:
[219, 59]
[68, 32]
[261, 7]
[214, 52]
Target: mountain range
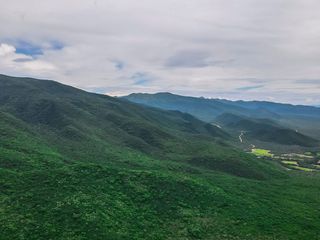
[284, 124]
[208, 109]
[80, 165]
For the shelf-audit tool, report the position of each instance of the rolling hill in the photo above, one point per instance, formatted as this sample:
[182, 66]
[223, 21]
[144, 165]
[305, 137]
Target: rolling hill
[78, 165]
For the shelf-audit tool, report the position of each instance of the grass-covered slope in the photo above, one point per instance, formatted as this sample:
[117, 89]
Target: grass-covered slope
[83, 176]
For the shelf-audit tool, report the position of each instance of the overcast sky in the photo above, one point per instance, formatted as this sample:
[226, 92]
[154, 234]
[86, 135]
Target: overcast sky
[235, 49]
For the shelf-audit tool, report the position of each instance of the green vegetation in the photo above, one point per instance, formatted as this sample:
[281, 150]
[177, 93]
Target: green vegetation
[265, 130]
[208, 109]
[75, 165]
[303, 162]
[280, 124]
[303, 168]
[290, 162]
[261, 152]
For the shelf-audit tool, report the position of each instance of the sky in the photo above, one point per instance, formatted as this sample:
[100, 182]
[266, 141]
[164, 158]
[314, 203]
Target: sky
[248, 49]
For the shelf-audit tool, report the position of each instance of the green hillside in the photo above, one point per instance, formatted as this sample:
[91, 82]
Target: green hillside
[305, 119]
[77, 165]
[265, 130]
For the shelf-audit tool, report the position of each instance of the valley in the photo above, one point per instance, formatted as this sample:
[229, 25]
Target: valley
[301, 161]
[309, 161]
[268, 130]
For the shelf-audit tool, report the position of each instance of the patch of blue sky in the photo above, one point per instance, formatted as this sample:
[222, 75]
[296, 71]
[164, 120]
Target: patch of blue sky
[32, 49]
[28, 48]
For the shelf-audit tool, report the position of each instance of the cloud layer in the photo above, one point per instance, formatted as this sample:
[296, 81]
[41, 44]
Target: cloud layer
[249, 49]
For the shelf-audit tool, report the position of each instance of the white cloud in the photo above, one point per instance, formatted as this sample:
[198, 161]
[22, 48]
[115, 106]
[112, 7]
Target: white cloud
[6, 49]
[15, 63]
[212, 48]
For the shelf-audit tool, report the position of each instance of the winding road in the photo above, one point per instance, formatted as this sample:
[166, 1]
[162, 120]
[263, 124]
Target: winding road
[240, 136]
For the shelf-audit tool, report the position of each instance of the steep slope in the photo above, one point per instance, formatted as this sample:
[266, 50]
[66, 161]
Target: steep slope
[265, 130]
[70, 119]
[75, 165]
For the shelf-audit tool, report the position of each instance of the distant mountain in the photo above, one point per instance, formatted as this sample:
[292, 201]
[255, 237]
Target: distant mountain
[204, 109]
[208, 109]
[264, 130]
[305, 119]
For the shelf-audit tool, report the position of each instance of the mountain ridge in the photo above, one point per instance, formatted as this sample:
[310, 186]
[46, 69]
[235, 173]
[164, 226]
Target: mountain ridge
[218, 99]
[305, 119]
